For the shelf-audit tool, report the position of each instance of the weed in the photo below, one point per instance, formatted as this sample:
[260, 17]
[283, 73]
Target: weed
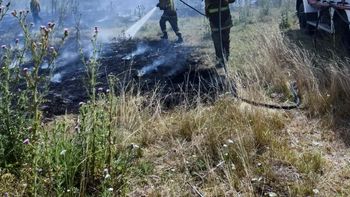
[4, 9]
[118, 145]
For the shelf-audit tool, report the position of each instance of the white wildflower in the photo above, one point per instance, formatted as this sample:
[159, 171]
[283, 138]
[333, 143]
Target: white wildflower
[230, 141]
[63, 152]
[135, 146]
[316, 191]
[272, 194]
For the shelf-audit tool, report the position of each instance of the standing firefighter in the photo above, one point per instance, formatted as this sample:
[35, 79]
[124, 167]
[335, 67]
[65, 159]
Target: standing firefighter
[221, 39]
[170, 15]
[35, 9]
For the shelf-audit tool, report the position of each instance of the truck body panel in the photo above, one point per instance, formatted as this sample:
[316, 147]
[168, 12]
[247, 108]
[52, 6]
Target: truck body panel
[308, 8]
[331, 16]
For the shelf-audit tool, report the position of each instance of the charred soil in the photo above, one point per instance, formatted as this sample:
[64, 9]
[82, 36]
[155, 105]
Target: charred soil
[177, 73]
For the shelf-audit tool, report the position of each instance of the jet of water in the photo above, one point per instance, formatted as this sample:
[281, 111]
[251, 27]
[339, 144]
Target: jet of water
[132, 31]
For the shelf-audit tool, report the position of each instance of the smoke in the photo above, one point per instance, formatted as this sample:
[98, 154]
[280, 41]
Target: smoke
[170, 60]
[151, 68]
[80, 17]
[56, 78]
[141, 49]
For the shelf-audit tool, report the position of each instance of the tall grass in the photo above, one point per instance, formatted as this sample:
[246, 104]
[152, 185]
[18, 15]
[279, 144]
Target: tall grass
[118, 146]
[323, 82]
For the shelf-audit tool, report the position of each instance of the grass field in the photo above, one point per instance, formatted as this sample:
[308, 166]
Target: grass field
[117, 146]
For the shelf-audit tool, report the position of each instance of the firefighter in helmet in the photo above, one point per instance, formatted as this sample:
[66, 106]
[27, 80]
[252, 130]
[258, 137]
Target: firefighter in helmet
[220, 29]
[170, 15]
[35, 9]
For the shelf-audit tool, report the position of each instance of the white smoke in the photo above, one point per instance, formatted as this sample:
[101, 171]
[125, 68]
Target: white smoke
[141, 49]
[151, 68]
[56, 78]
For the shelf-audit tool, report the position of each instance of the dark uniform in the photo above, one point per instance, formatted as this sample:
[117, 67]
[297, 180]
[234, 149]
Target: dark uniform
[221, 43]
[35, 9]
[170, 15]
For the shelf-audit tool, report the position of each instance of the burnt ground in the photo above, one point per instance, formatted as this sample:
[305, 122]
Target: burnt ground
[178, 73]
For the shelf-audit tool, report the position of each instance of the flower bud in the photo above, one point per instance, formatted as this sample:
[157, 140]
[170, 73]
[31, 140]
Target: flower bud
[26, 141]
[14, 13]
[65, 32]
[51, 25]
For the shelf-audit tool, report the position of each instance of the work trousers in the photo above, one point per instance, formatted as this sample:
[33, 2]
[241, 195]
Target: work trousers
[36, 18]
[222, 46]
[171, 17]
[221, 38]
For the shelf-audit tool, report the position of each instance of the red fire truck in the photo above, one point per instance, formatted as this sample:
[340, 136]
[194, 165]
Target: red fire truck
[331, 16]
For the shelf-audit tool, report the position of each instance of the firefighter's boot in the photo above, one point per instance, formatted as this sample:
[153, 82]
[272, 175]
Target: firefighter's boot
[221, 76]
[179, 38]
[225, 84]
[164, 36]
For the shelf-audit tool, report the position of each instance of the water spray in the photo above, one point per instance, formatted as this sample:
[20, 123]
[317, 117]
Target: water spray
[132, 31]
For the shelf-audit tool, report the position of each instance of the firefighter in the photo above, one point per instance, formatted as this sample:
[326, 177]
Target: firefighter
[35, 9]
[170, 15]
[221, 39]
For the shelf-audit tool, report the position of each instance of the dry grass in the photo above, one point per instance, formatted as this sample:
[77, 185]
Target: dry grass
[230, 148]
[259, 151]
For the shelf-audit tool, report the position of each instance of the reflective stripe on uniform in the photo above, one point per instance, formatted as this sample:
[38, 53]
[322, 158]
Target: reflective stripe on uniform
[172, 5]
[214, 10]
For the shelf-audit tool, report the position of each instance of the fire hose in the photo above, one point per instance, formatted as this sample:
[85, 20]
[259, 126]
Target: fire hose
[193, 8]
[293, 86]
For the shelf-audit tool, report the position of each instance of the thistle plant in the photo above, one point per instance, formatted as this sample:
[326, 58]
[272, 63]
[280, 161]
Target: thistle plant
[40, 49]
[4, 9]
[92, 65]
[22, 90]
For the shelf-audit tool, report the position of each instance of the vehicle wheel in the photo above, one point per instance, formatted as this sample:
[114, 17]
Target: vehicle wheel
[346, 40]
[342, 33]
[303, 17]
